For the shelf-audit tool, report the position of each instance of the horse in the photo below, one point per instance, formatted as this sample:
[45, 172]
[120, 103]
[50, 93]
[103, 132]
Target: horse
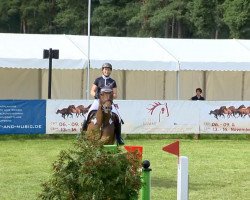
[64, 112]
[233, 110]
[216, 113]
[83, 110]
[73, 109]
[101, 123]
[243, 111]
[226, 111]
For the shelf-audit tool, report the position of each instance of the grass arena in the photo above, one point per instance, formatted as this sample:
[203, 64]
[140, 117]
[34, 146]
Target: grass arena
[219, 165]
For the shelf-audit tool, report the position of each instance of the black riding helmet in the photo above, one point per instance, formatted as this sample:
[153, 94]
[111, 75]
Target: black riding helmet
[107, 65]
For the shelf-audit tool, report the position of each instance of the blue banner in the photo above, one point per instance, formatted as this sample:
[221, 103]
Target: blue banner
[22, 116]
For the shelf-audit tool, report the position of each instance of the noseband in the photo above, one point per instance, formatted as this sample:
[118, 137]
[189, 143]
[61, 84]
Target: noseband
[107, 108]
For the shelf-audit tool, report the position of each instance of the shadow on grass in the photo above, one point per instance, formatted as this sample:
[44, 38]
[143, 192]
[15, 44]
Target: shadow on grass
[130, 136]
[190, 136]
[36, 136]
[165, 183]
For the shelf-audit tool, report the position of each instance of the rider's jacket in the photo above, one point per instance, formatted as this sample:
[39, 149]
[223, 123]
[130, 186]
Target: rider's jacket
[102, 82]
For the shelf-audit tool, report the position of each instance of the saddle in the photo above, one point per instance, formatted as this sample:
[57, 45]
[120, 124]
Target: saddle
[92, 115]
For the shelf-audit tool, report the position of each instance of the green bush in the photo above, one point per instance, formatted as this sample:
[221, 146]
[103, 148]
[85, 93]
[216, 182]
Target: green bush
[89, 171]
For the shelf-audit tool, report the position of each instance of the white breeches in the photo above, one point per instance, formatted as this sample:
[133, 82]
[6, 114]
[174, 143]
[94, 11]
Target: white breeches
[95, 106]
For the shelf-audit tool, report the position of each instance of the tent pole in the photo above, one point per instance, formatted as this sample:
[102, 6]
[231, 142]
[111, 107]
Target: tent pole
[164, 85]
[205, 84]
[243, 86]
[124, 85]
[40, 83]
[50, 73]
[88, 67]
[178, 85]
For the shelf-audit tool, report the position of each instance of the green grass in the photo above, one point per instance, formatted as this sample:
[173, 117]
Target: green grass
[218, 169]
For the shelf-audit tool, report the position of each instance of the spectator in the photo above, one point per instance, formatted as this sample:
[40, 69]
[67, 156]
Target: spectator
[198, 95]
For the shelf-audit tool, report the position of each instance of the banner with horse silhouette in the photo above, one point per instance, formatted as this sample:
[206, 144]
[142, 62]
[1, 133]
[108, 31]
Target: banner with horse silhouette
[140, 116]
[66, 116]
[156, 116]
[63, 116]
[225, 117]
[22, 116]
[159, 116]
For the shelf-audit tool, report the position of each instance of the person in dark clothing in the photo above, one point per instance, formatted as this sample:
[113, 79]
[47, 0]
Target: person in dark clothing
[102, 82]
[198, 95]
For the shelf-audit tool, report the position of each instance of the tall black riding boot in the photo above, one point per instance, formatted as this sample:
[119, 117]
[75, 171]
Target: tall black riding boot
[84, 125]
[118, 134]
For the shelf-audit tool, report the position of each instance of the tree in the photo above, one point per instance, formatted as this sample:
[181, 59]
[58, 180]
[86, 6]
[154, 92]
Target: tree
[111, 16]
[27, 16]
[71, 17]
[206, 17]
[158, 18]
[237, 17]
[9, 16]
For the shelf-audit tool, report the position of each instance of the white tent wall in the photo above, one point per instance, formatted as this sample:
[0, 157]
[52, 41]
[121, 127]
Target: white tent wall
[226, 64]
[132, 85]
[246, 94]
[66, 84]
[147, 85]
[189, 81]
[20, 83]
[144, 85]
[223, 86]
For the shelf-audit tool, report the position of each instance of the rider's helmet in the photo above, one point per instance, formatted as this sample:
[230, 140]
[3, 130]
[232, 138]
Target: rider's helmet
[106, 89]
[107, 65]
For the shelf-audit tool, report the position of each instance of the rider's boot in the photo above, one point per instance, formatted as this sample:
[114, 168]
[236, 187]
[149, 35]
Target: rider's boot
[118, 134]
[84, 125]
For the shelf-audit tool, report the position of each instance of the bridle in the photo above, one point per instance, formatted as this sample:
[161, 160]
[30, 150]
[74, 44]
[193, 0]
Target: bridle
[106, 108]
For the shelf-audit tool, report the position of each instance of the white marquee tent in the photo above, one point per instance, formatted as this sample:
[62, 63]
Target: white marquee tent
[150, 64]
[208, 55]
[26, 51]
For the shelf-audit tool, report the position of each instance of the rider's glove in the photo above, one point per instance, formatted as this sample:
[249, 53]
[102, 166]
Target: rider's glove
[97, 95]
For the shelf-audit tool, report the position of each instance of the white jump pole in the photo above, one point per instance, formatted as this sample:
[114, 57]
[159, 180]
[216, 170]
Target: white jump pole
[182, 179]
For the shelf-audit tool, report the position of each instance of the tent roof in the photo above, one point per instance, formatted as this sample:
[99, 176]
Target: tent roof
[26, 51]
[208, 54]
[125, 53]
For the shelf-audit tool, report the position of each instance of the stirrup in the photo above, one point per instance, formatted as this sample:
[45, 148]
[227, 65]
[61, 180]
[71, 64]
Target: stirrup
[120, 141]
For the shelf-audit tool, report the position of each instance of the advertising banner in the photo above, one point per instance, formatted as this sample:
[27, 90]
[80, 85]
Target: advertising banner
[225, 117]
[156, 116]
[22, 116]
[159, 116]
[66, 116]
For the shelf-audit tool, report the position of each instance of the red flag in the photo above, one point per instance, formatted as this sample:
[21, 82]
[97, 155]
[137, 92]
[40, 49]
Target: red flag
[135, 148]
[172, 148]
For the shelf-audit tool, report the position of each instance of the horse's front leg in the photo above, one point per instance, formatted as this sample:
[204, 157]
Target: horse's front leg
[108, 129]
[93, 132]
[107, 134]
[99, 116]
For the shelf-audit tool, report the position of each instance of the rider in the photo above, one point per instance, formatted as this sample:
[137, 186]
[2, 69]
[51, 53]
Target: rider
[102, 82]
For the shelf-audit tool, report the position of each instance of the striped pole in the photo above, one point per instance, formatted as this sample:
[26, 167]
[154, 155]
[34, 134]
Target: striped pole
[182, 179]
[111, 148]
[146, 180]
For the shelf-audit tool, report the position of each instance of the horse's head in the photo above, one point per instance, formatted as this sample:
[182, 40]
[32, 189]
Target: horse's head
[106, 99]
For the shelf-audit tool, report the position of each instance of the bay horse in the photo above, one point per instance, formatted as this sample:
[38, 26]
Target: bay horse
[101, 124]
